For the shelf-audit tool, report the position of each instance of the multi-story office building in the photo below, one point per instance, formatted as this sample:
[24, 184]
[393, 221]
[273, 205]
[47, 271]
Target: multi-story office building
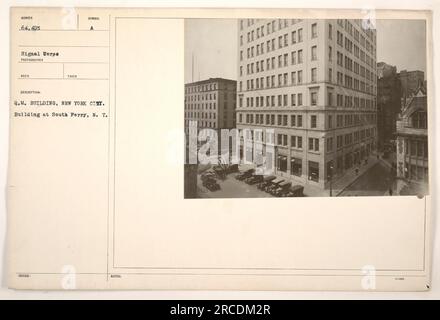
[211, 103]
[388, 103]
[208, 104]
[314, 83]
[412, 144]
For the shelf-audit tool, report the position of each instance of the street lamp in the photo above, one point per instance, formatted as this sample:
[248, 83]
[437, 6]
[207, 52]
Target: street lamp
[330, 178]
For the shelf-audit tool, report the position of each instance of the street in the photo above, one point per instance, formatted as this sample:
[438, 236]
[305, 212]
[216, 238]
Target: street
[375, 182]
[232, 188]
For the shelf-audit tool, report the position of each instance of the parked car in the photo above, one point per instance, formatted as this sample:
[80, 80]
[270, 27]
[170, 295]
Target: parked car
[256, 178]
[295, 191]
[273, 185]
[208, 174]
[266, 181]
[246, 174]
[283, 188]
[210, 183]
[232, 168]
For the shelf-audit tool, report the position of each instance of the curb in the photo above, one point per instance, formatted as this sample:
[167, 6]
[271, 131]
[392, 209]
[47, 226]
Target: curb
[351, 183]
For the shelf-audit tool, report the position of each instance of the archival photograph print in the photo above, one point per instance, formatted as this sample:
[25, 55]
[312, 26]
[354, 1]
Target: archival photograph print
[305, 108]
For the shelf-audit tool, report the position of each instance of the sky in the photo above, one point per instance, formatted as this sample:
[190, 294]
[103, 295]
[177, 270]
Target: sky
[212, 45]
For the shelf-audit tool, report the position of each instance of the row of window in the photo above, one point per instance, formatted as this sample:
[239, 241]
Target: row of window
[357, 36]
[200, 115]
[204, 124]
[297, 37]
[271, 27]
[296, 99]
[209, 96]
[201, 88]
[416, 148]
[346, 140]
[201, 106]
[296, 78]
[342, 121]
[296, 167]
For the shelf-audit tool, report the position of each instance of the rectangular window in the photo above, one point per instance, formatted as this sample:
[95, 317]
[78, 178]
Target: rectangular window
[293, 120]
[330, 98]
[313, 98]
[300, 35]
[293, 78]
[314, 53]
[314, 30]
[300, 77]
[314, 73]
[313, 121]
[313, 171]
[329, 144]
[296, 167]
[293, 141]
[300, 100]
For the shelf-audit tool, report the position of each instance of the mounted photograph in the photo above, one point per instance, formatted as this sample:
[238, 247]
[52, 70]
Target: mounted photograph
[305, 108]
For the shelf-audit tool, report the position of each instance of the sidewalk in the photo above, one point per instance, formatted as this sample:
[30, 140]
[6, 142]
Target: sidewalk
[339, 185]
[350, 176]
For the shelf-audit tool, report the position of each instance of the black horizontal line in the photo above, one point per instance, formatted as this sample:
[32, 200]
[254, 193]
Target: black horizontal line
[220, 274]
[265, 268]
[62, 78]
[73, 62]
[94, 30]
[63, 46]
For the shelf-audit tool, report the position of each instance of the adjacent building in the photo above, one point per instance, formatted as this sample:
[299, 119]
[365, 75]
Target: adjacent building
[410, 82]
[388, 103]
[211, 103]
[412, 144]
[314, 83]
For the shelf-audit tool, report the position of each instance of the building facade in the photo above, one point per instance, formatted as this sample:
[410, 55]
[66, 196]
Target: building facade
[211, 103]
[410, 81]
[412, 144]
[388, 103]
[314, 83]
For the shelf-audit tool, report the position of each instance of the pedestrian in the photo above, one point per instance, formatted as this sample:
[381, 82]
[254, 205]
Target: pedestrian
[390, 191]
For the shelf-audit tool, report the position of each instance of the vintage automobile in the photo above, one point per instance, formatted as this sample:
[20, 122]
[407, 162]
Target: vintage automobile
[282, 189]
[273, 185]
[246, 174]
[256, 178]
[232, 168]
[208, 174]
[210, 183]
[266, 181]
[295, 191]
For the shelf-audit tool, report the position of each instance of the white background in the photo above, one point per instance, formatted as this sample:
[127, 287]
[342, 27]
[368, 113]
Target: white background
[5, 293]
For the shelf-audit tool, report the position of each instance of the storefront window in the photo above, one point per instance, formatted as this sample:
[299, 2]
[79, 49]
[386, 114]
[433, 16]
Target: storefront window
[314, 171]
[282, 163]
[296, 167]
